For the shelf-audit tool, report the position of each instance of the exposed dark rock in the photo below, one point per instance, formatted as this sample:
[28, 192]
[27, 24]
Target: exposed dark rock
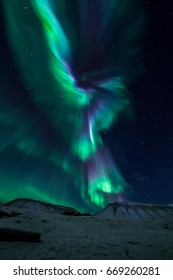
[7, 213]
[15, 235]
[165, 226]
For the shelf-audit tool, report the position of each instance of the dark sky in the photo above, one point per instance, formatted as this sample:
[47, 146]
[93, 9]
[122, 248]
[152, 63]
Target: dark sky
[142, 145]
[146, 143]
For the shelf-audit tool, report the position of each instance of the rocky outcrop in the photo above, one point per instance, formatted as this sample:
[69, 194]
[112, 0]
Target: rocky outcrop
[16, 235]
[7, 213]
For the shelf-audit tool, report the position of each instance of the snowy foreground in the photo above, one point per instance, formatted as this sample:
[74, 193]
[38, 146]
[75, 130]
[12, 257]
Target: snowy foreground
[120, 231]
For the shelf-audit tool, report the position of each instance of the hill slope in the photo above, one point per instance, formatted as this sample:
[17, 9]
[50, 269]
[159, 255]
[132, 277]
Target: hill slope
[117, 232]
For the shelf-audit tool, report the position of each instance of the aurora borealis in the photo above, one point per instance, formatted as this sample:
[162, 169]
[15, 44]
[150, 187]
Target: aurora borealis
[76, 61]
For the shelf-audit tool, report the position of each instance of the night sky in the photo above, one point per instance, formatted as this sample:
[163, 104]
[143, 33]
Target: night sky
[47, 148]
[146, 143]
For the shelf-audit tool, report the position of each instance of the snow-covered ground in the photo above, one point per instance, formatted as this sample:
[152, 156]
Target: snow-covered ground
[102, 236]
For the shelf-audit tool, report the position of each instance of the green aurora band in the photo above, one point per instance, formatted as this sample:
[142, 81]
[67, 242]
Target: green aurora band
[53, 43]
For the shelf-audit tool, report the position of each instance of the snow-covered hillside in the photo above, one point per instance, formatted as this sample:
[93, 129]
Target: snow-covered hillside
[117, 232]
[136, 211]
[38, 206]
